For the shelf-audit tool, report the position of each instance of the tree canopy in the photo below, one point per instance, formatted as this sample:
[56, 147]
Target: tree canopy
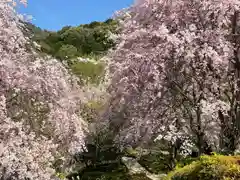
[81, 40]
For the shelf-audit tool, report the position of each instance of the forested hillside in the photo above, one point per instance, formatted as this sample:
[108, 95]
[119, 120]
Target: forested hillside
[153, 94]
[79, 47]
[71, 42]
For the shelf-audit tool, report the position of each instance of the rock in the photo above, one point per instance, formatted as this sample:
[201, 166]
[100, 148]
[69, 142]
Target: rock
[135, 168]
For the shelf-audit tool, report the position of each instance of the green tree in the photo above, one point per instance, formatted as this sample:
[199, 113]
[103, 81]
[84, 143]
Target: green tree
[67, 52]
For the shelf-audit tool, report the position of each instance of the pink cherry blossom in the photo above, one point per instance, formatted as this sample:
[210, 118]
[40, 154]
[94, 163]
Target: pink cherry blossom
[176, 64]
[28, 85]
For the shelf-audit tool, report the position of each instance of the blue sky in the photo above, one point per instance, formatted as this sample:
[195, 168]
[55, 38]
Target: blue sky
[54, 14]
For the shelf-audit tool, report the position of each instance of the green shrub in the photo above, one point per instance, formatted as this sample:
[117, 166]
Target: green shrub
[186, 161]
[159, 158]
[155, 163]
[67, 52]
[216, 167]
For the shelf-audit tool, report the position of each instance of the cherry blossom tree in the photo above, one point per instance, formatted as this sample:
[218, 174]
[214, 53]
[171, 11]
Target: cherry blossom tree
[174, 64]
[39, 105]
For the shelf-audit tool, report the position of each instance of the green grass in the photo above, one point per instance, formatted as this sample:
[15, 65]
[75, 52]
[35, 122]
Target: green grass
[88, 71]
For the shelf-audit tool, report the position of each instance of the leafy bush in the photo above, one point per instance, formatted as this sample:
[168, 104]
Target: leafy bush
[156, 163]
[67, 52]
[216, 167]
[159, 158]
[186, 161]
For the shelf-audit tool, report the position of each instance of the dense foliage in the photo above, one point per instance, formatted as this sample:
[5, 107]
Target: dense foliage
[72, 42]
[80, 48]
[215, 167]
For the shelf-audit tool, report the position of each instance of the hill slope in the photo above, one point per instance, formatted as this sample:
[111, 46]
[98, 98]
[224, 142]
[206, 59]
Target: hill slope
[70, 42]
[87, 41]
